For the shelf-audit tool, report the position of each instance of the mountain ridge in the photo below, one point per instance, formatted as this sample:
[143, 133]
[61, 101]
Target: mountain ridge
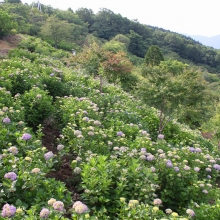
[207, 41]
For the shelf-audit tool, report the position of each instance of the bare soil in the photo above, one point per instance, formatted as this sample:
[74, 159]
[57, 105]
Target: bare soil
[63, 172]
[8, 43]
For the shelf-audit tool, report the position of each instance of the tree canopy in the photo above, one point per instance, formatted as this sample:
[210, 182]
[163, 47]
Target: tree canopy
[153, 56]
[6, 24]
[56, 29]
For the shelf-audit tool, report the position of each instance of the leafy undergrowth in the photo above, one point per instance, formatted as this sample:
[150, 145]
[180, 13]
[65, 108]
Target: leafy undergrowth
[71, 152]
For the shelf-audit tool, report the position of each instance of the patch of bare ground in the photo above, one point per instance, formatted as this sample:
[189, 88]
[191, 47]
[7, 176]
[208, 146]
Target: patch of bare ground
[8, 43]
[63, 172]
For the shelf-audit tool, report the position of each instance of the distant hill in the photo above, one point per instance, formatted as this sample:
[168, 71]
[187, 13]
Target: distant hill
[208, 41]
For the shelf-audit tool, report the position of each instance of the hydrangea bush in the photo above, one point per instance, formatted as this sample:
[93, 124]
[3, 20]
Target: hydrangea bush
[121, 167]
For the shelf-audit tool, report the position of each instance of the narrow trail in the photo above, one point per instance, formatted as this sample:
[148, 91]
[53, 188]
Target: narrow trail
[63, 172]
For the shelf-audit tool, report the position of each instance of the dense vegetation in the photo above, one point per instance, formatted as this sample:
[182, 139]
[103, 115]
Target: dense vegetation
[123, 117]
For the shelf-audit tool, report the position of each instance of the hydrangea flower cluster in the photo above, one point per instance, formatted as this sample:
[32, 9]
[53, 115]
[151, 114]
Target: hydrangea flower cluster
[44, 213]
[157, 202]
[77, 170]
[8, 210]
[58, 205]
[26, 136]
[120, 134]
[60, 147]
[48, 155]
[160, 136]
[79, 207]
[190, 212]
[10, 175]
[169, 163]
[13, 150]
[35, 170]
[6, 120]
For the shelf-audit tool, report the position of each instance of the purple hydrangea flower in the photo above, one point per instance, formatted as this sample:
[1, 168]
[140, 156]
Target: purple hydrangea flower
[6, 120]
[52, 74]
[143, 149]
[26, 136]
[48, 155]
[58, 205]
[160, 136]
[44, 213]
[150, 157]
[10, 175]
[216, 166]
[177, 169]
[209, 177]
[169, 163]
[192, 149]
[8, 210]
[120, 133]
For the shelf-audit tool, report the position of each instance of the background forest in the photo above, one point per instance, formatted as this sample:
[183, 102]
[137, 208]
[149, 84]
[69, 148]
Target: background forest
[94, 106]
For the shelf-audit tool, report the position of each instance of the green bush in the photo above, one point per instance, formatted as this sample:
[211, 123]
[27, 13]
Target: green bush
[37, 105]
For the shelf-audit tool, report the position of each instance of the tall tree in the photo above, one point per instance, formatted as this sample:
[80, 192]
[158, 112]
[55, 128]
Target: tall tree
[153, 56]
[173, 87]
[56, 29]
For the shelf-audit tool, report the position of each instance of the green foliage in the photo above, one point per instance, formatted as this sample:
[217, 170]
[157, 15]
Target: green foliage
[22, 53]
[55, 87]
[38, 106]
[114, 46]
[171, 88]
[112, 183]
[153, 56]
[6, 24]
[137, 45]
[123, 39]
[56, 29]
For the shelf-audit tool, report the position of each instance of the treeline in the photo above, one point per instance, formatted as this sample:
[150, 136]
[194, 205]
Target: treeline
[105, 25]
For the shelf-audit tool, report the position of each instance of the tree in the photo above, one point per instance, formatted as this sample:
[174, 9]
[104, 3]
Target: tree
[13, 1]
[56, 29]
[6, 24]
[114, 46]
[103, 64]
[123, 39]
[86, 15]
[153, 56]
[137, 45]
[172, 88]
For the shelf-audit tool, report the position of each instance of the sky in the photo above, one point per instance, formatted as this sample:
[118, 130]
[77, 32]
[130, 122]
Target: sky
[190, 17]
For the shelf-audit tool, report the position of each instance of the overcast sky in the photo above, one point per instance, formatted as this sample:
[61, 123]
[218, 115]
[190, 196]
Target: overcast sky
[193, 17]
